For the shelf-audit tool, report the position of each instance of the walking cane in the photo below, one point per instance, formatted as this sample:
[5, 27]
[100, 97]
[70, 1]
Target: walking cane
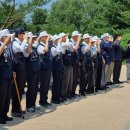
[94, 79]
[16, 86]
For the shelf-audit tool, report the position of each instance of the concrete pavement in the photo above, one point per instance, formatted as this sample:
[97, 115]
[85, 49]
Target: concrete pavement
[104, 111]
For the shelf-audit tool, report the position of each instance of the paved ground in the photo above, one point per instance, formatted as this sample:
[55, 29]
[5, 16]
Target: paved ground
[104, 111]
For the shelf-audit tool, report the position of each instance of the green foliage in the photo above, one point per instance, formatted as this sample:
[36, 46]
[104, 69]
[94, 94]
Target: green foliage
[10, 14]
[125, 38]
[92, 16]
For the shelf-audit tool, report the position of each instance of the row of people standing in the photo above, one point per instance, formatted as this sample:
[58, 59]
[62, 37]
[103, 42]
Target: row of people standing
[71, 62]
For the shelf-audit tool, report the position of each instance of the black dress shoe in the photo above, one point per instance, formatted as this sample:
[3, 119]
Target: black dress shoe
[115, 82]
[120, 82]
[109, 83]
[62, 100]
[70, 96]
[16, 114]
[7, 118]
[2, 121]
[24, 112]
[100, 88]
[76, 95]
[56, 102]
[83, 94]
[45, 104]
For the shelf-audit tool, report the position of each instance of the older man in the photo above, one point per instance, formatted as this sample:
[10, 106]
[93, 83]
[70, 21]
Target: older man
[6, 73]
[105, 47]
[45, 72]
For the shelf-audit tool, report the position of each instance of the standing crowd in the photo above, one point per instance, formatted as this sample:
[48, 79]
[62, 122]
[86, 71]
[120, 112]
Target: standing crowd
[33, 60]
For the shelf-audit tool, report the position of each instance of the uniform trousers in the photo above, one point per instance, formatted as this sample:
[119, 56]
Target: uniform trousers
[5, 92]
[45, 75]
[67, 81]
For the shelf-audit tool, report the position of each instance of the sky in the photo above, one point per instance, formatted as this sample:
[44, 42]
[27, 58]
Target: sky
[48, 6]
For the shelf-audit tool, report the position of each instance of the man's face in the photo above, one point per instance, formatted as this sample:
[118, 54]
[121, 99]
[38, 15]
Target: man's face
[20, 36]
[106, 39]
[44, 38]
[56, 41]
[75, 38]
[119, 38]
[64, 39]
[86, 40]
[92, 43]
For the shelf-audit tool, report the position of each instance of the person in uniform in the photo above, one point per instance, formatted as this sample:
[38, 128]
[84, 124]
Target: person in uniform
[128, 62]
[99, 67]
[33, 68]
[118, 59]
[111, 66]
[105, 48]
[94, 50]
[6, 73]
[86, 72]
[46, 64]
[69, 50]
[21, 49]
[74, 40]
[57, 68]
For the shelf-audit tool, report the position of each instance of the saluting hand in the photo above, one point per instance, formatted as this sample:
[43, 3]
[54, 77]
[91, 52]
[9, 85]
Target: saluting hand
[25, 36]
[90, 41]
[98, 42]
[7, 40]
[49, 36]
[79, 39]
[38, 40]
[31, 40]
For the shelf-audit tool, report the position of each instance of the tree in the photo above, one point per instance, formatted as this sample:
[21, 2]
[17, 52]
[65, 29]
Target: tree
[39, 16]
[92, 16]
[12, 13]
[38, 19]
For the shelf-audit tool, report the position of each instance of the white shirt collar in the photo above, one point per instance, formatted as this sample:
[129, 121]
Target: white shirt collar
[18, 40]
[54, 45]
[85, 43]
[73, 41]
[105, 41]
[43, 43]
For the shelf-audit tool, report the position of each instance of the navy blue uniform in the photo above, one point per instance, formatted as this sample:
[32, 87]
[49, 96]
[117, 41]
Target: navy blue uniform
[57, 71]
[5, 82]
[20, 69]
[86, 74]
[45, 73]
[118, 61]
[75, 71]
[33, 67]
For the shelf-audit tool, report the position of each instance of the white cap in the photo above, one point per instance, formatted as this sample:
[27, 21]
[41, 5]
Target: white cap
[42, 34]
[86, 36]
[4, 32]
[63, 34]
[55, 37]
[94, 40]
[30, 34]
[76, 33]
[105, 35]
